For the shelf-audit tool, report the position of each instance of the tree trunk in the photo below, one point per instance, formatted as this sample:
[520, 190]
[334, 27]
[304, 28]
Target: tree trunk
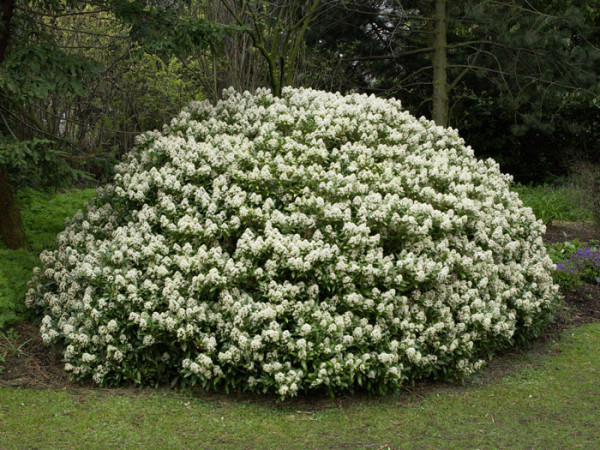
[12, 230]
[440, 65]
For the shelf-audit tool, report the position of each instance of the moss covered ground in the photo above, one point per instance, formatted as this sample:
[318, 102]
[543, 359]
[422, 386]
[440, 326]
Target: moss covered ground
[44, 217]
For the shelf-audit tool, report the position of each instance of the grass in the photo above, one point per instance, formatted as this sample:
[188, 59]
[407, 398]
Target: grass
[44, 214]
[555, 202]
[44, 217]
[553, 402]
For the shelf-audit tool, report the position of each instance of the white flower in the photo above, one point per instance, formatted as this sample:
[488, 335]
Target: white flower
[112, 326]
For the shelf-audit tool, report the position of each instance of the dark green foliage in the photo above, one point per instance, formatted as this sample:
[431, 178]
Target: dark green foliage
[38, 163]
[165, 28]
[532, 105]
[38, 67]
[49, 79]
[35, 68]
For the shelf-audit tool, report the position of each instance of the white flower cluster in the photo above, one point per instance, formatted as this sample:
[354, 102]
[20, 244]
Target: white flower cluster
[313, 241]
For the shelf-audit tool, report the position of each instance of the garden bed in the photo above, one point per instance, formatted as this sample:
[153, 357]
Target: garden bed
[568, 231]
[37, 366]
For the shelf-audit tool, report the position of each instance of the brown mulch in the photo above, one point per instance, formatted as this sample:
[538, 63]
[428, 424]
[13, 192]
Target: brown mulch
[37, 366]
[567, 231]
[34, 365]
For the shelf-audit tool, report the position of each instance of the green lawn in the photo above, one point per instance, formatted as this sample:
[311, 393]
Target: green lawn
[553, 402]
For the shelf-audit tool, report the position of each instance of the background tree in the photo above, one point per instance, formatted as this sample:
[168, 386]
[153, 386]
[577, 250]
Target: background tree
[277, 30]
[11, 224]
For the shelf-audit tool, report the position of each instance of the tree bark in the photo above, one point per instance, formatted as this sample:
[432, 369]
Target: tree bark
[440, 65]
[12, 230]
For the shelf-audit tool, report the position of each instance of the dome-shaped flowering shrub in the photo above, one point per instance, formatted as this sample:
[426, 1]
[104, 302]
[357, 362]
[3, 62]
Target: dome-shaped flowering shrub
[313, 241]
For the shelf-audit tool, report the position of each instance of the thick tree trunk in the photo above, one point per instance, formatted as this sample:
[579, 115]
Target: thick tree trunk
[12, 230]
[11, 224]
[440, 65]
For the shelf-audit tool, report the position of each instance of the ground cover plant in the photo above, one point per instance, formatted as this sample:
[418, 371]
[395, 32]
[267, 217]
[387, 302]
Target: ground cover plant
[44, 216]
[576, 262]
[585, 262]
[15, 271]
[563, 201]
[314, 241]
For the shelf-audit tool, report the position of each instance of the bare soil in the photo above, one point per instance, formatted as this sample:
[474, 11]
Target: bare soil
[38, 366]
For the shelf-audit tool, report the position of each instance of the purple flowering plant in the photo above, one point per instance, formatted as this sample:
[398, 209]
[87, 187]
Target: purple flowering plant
[583, 260]
[581, 264]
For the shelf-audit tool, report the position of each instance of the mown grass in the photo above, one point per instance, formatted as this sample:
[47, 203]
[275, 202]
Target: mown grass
[553, 402]
[44, 217]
